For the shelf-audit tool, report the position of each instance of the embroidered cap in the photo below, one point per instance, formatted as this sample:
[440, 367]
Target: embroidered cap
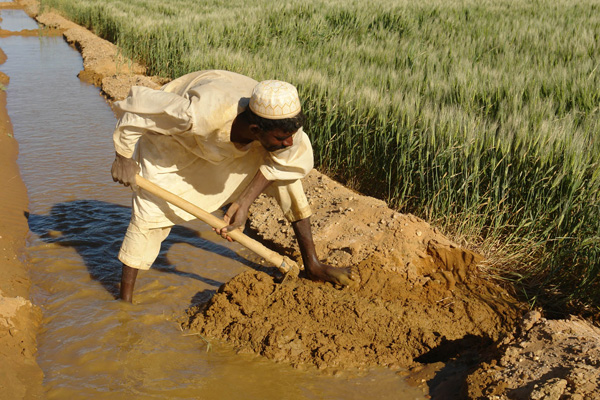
[275, 100]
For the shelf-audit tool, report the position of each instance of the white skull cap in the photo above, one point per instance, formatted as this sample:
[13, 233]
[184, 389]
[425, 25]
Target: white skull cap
[275, 100]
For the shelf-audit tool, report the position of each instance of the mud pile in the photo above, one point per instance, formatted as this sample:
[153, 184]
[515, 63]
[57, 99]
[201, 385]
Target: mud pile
[418, 291]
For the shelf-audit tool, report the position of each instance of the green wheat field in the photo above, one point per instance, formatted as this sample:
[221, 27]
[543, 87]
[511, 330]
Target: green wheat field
[480, 116]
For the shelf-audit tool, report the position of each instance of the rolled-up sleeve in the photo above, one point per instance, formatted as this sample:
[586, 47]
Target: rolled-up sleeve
[149, 110]
[291, 163]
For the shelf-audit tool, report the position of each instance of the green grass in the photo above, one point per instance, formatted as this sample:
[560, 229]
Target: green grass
[482, 116]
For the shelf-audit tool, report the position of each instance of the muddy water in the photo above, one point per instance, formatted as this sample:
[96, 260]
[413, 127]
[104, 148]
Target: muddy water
[91, 345]
[15, 20]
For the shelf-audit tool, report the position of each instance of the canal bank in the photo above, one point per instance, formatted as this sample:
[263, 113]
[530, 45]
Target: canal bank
[20, 376]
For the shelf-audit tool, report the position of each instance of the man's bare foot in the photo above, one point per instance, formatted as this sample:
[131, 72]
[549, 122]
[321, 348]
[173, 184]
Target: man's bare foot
[326, 273]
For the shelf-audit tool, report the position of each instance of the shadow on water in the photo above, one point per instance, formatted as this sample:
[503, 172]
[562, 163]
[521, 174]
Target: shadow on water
[95, 229]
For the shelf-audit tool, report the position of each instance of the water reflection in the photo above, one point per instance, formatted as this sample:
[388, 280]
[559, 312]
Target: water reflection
[16, 20]
[95, 230]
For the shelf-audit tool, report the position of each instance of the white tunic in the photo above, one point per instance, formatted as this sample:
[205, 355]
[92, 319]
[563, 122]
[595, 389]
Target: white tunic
[180, 135]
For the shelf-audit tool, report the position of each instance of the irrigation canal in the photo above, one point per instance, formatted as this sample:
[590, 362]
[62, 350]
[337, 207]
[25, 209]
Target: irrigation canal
[92, 345]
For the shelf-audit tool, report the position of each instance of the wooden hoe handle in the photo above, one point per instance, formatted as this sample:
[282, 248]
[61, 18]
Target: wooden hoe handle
[284, 264]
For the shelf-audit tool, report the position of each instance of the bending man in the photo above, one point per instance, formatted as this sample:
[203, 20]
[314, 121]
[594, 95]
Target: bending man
[213, 138]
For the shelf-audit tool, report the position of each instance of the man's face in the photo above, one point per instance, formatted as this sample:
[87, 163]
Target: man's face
[276, 140]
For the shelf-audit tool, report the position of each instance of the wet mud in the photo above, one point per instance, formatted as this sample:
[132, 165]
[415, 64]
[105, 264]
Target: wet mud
[420, 301]
[383, 322]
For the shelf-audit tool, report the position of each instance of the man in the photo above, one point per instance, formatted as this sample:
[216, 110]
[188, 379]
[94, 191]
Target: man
[213, 138]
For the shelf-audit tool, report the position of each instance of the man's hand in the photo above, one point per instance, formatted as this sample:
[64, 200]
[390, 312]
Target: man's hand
[237, 214]
[124, 171]
[315, 269]
[236, 217]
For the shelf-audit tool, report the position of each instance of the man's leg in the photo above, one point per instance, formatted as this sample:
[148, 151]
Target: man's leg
[139, 249]
[128, 276]
[314, 268]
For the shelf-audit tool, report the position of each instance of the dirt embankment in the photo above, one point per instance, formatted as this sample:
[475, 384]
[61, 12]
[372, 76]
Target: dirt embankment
[421, 302]
[542, 359]
[103, 63]
[20, 376]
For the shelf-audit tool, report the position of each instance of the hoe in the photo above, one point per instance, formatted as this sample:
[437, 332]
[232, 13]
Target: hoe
[285, 265]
